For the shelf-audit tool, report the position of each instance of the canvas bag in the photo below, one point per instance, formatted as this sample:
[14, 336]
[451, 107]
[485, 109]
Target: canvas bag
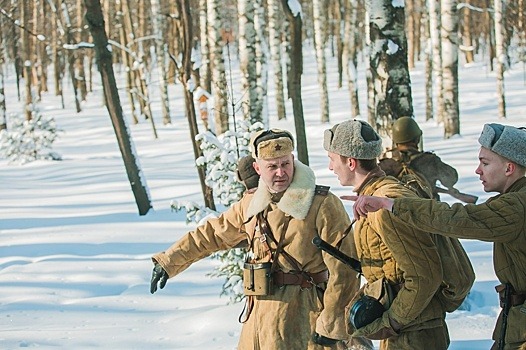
[458, 273]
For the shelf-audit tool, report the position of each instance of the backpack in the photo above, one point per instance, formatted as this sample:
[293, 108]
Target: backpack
[458, 273]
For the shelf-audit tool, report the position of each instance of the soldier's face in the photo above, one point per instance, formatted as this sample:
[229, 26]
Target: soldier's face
[492, 171]
[341, 167]
[277, 173]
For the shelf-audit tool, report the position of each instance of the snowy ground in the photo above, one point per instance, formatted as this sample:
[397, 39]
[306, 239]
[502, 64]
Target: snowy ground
[75, 255]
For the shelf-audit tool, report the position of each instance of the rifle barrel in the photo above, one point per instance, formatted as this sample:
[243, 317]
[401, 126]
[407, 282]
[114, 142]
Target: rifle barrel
[333, 251]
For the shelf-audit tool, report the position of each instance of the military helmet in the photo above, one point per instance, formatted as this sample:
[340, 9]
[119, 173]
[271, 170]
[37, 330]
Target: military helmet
[405, 129]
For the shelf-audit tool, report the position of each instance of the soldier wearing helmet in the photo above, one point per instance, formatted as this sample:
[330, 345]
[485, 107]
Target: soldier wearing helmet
[406, 135]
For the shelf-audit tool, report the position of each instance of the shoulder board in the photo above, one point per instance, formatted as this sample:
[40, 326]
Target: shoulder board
[322, 190]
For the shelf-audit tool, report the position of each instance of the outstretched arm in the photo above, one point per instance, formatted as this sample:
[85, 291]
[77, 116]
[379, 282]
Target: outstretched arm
[367, 204]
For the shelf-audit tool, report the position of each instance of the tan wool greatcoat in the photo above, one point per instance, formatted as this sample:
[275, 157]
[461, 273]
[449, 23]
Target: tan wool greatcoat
[501, 220]
[287, 319]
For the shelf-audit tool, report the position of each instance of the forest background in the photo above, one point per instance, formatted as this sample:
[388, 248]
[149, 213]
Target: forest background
[75, 260]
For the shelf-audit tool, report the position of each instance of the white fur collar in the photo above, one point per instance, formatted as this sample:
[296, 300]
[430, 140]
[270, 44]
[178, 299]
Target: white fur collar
[296, 200]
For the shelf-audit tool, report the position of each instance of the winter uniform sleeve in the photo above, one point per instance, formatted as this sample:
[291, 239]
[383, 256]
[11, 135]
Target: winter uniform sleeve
[500, 219]
[216, 234]
[417, 256]
[332, 220]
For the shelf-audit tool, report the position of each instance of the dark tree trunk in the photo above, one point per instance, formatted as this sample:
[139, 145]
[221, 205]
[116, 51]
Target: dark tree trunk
[186, 72]
[95, 21]
[294, 81]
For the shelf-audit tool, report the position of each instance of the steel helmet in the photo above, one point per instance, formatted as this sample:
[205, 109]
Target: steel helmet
[405, 129]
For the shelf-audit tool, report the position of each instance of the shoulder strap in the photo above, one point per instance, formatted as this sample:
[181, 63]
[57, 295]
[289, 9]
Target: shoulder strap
[322, 190]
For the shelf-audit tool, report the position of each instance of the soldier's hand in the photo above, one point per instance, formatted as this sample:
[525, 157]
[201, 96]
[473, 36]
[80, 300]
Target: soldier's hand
[322, 340]
[159, 275]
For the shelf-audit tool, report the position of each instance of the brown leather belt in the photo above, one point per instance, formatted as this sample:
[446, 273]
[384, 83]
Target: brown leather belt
[305, 280]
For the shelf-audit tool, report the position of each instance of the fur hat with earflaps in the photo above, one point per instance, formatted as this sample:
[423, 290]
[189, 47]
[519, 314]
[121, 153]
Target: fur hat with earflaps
[353, 139]
[270, 144]
[507, 141]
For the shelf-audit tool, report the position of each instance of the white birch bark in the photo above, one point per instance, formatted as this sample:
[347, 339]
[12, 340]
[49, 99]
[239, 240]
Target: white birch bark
[204, 69]
[219, 85]
[247, 58]
[349, 59]
[319, 42]
[262, 58]
[436, 54]
[275, 29]
[450, 67]
[501, 56]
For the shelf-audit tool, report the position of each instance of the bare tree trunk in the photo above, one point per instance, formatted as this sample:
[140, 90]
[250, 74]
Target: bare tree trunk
[467, 40]
[450, 67]
[24, 38]
[389, 64]
[337, 9]
[262, 58]
[501, 56]
[95, 21]
[436, 53]
[160, 48]
[349, 55]
[57, 30]
[3, 114]
[205, 73]
[371, 104]
[428, 61]
[275, 31]
[81, 57]
[294, 80]
[319, 42]
[69, 39]
[219, 86]
[185, 76]
[411, 28]
[247, 59]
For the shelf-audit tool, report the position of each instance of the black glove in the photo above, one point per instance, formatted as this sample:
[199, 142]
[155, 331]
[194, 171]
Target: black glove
[324, 341]
[158, 275]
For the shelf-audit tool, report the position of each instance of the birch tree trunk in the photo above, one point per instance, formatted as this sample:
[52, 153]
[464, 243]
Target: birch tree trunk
[319, 42]
[25, 46]
[95, 21]
[436, 54]
[247, 59]
[219, 85]
[204, 69]
[262, 58]
[501, 56]
[57, 32]
[428, 73]
[160, 53]
[70, 39]
[3, 114]
[294, 79]
[349, 54]
[388, 59]
[275, 29]
[81, 57]
[450, 67]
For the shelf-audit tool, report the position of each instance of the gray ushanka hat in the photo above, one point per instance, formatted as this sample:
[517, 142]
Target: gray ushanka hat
[507, 141]
[347, 139]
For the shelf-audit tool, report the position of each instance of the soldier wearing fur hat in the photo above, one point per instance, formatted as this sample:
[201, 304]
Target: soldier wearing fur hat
[295, 294]
[402, 266]
[501, 220]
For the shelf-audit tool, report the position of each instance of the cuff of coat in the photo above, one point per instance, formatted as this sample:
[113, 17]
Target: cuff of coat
[162, 260]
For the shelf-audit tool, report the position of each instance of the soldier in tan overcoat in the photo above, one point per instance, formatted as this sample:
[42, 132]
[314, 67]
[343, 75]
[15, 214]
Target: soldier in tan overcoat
[306, 308]
[397, 260]
[501, 220]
